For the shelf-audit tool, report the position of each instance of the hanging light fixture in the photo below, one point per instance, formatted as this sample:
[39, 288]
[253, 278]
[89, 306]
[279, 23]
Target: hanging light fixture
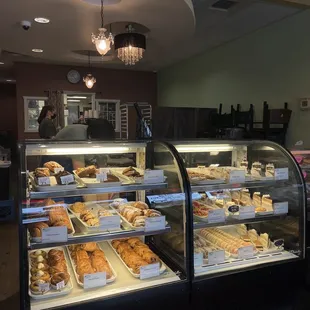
[103, 43]
[89, 79]
[130, 46]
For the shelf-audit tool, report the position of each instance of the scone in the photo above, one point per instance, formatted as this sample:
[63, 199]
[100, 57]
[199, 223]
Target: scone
[78, 207]
[51, 165]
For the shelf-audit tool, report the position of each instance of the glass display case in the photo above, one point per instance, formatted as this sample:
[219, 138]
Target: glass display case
[248, 205]
[89, 229]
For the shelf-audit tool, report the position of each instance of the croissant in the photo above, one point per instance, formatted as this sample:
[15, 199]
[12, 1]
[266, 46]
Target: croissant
[58, 267]
[89, 247]
[36, 229]
[100, 264]
[133, 241]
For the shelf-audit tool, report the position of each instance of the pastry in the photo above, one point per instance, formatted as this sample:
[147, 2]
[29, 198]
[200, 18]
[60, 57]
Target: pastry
[60, 266]
[35, 286]
[87, 171]
[39, 266]
[89, 247]
[55, 256]
[58, 216]
[78, 207]
[258, 245]
[151, 213]
[59, 277]
[139, 221]
[40, 275]
[269, 170]
[35, 229]
[37, 253]
[62, 174]
[89, 218]
[49, 202]
[244, 165]
[267, 202]
[51, 165]
[100, 263]
[245, 198]
[131, 172]
[264, 240]
[253, 234]
[236, 195]
[256, 170]
[111, 178]
[140, 205]
[257, 200]
[102, 213]
[83, 264]
[41, 172]
[260, 209]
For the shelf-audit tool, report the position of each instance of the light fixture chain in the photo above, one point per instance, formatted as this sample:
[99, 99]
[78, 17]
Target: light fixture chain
[102, 14]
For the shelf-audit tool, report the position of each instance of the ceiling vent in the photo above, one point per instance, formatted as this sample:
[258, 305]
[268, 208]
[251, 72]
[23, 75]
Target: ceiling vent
[223, 5]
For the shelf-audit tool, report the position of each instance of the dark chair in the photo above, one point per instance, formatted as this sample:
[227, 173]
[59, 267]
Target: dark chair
[222, 121]
[275, 124]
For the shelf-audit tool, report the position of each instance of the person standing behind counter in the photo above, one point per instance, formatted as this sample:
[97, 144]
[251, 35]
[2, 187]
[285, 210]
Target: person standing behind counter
[47, 129]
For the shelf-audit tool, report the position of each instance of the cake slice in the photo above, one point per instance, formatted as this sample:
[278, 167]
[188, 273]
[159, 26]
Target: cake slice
[267, 202]
[256, 170]
[264, 240]
[257, 200]
[269, 170]
[253, 234]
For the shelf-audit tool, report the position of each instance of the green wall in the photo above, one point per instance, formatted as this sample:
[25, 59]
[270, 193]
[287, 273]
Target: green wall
[272, 64]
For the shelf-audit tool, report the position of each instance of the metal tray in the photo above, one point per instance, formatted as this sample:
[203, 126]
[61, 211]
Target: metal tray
[93, 183]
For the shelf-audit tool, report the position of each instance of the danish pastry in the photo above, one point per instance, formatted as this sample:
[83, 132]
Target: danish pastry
[59, 277]
[40, 275]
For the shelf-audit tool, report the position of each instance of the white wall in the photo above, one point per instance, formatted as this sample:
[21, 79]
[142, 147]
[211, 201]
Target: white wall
[272, 64]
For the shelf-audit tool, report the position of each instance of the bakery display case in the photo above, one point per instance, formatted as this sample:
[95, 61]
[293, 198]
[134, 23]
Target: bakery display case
[247, 203]
[90, 229]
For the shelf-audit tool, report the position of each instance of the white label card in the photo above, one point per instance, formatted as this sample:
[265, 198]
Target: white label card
[44, 181]
[149, 271]
[56, 170]
[237, 176]
[281, 173]
[104, 170]
[216, 216]
[67, 179]
[44, 287]
[155, 223]
[55, 234]
[93, 280]
[216, 257]
[61, 285]
[280, 207]
[153, 176]
[246, 252]
[112, 222]
[198, 259]
[246, 212]
[101, 177]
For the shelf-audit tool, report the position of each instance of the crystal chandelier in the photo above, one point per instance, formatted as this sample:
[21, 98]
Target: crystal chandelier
[102, 43]
[89, 79]
[130, 46]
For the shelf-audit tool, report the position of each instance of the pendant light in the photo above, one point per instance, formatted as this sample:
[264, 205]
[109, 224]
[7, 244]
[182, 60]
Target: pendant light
[103, 43]
[130, 46]
[89, 79]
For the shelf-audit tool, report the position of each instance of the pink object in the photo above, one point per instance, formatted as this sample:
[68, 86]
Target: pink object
[304, 173]
[299, 158]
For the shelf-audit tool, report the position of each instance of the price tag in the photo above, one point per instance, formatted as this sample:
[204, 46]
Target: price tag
[155, 223]
[247, 212]
[196, 196]
[216, 216]
[44, 287]
[67, 179]
[101, 177]
[280, 207]
[61, 285]
[237, 176]
[153, 176]
[149, 271]
[246, 252]
[57, 170]
[281, 173]
[112, 222]
[279, 243]
[55, 234]
[104, 170]
[216, 257]
[93, 280]
[198, 259]
[42, 181]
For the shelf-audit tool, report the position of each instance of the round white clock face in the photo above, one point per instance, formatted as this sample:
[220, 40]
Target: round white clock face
[73, 76]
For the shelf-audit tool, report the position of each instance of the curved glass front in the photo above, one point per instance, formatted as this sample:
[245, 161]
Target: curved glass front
[248, 204]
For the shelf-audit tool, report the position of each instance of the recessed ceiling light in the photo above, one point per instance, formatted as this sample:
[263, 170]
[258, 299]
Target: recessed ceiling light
[9, 80]
[42, 20]
[77, 97]
[37, 50]
[1, 63]
[73, 100]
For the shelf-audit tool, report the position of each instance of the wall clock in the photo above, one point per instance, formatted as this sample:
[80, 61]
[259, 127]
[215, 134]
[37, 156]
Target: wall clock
[73, 76]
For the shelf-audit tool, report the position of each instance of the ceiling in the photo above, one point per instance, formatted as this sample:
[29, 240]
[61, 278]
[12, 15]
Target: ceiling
[178, 29]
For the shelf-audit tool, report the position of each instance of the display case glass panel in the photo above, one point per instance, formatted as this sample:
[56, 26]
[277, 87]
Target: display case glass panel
[88, 230]
[248, 205]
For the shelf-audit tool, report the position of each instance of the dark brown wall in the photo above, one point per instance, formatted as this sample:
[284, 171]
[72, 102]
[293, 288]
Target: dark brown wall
[8, 115]
[34, 79]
